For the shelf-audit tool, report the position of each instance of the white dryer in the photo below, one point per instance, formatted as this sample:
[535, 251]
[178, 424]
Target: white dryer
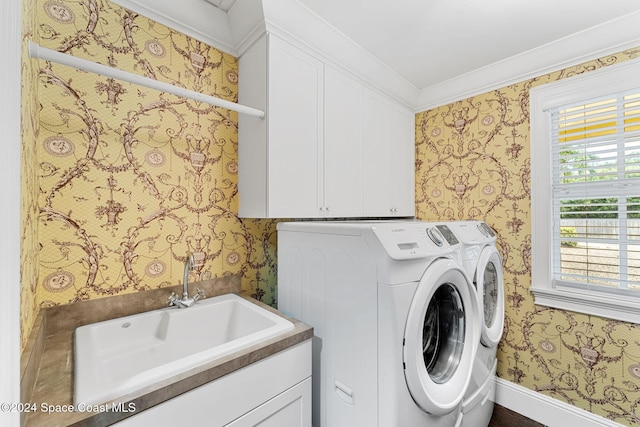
[394, 317]
[483, 265]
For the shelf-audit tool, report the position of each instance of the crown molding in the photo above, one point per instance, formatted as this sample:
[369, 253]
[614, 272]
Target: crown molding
[247, 20]
[605, 39]
[236, 30]
[194, 18]
[299, 25]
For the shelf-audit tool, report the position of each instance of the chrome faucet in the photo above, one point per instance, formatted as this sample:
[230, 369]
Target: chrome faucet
[186, 301]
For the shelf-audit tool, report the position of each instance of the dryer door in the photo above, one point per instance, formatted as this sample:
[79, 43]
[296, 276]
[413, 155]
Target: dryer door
[442, 334]
[490, 285]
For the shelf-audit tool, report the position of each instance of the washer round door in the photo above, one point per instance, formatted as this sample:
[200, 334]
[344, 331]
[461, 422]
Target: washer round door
[442, 334]
[490, 286]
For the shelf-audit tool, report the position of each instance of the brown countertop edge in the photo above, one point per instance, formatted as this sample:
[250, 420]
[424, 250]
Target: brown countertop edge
[50, 376]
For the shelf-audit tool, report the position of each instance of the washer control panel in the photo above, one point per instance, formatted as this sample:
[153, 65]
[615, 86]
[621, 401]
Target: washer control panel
[473, 232]
[486, 230]
[448, 234]
[414, 240]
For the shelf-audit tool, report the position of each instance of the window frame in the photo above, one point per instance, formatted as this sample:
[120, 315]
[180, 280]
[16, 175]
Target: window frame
[593, 84]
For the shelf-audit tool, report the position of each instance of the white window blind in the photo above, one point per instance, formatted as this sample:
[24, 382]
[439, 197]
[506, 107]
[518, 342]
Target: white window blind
[585, 192]
[595, 167]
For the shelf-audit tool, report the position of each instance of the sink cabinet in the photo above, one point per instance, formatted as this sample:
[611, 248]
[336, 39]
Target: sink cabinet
[273, 392]
[329, 145]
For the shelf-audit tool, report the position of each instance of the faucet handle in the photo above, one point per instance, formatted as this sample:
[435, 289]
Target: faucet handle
[199, 294]
[172, 299]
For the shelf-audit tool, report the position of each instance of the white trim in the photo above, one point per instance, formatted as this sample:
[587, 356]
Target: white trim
[605, 39]
[585, 86]
[569, 90]
[299, 25]
[194, 18]
[607, 306]
[236, 30]
[246, 21]
[544, 409]
[10, 46]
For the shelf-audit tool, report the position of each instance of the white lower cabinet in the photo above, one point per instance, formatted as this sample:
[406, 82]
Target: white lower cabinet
[273, 392]
[290, 408]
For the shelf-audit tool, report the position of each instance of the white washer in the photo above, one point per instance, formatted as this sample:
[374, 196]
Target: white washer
[394, 317]
[483, 264]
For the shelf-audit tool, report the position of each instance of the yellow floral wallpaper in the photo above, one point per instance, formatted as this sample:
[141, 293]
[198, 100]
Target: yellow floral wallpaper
[29, 178]
[120, 182]
[130, 179]
[473, 162]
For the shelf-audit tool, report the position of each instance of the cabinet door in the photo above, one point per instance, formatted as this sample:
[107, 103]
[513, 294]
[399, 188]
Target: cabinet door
[283, 376]
[403, 161]
[289, 409]
[389, 164]
[295, 117]
[343, 181]
[378, 188]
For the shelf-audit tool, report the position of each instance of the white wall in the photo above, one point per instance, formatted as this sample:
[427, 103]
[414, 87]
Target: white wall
[10, 28]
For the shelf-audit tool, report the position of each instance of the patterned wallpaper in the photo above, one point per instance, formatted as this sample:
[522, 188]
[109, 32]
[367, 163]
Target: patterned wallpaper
[473, 162]
[130, 179]
[29, 248]
[121, 181]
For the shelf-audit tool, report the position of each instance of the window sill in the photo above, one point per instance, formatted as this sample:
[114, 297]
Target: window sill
[609, 307]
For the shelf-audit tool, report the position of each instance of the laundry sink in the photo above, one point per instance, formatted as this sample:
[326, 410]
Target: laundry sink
[123, 355]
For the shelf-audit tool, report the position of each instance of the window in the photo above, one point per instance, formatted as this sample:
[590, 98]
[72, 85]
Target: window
[585, 193]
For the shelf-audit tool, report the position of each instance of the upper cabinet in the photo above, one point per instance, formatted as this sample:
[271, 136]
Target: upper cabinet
[389, 154]
[343, 152]
[328, 147]
[280, 157]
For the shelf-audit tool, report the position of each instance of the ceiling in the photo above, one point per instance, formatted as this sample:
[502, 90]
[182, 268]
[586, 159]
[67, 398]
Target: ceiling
[222, 4]
[428, 42]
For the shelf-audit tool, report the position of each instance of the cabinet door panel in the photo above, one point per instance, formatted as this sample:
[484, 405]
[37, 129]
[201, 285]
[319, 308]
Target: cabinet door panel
[295, 131]
[404, 160]
[378, 114]
[289, 409]
[342, 145]
[221, 401]
[389, 157]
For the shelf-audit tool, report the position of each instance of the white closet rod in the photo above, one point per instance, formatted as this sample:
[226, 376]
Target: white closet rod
[36, 51]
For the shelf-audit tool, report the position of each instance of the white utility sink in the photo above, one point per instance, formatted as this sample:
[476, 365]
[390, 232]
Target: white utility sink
[120, 356]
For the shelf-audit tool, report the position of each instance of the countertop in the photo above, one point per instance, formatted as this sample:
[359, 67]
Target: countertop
[50, 376]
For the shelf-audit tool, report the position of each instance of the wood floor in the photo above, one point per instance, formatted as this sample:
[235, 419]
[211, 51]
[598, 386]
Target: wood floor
[503, 417]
